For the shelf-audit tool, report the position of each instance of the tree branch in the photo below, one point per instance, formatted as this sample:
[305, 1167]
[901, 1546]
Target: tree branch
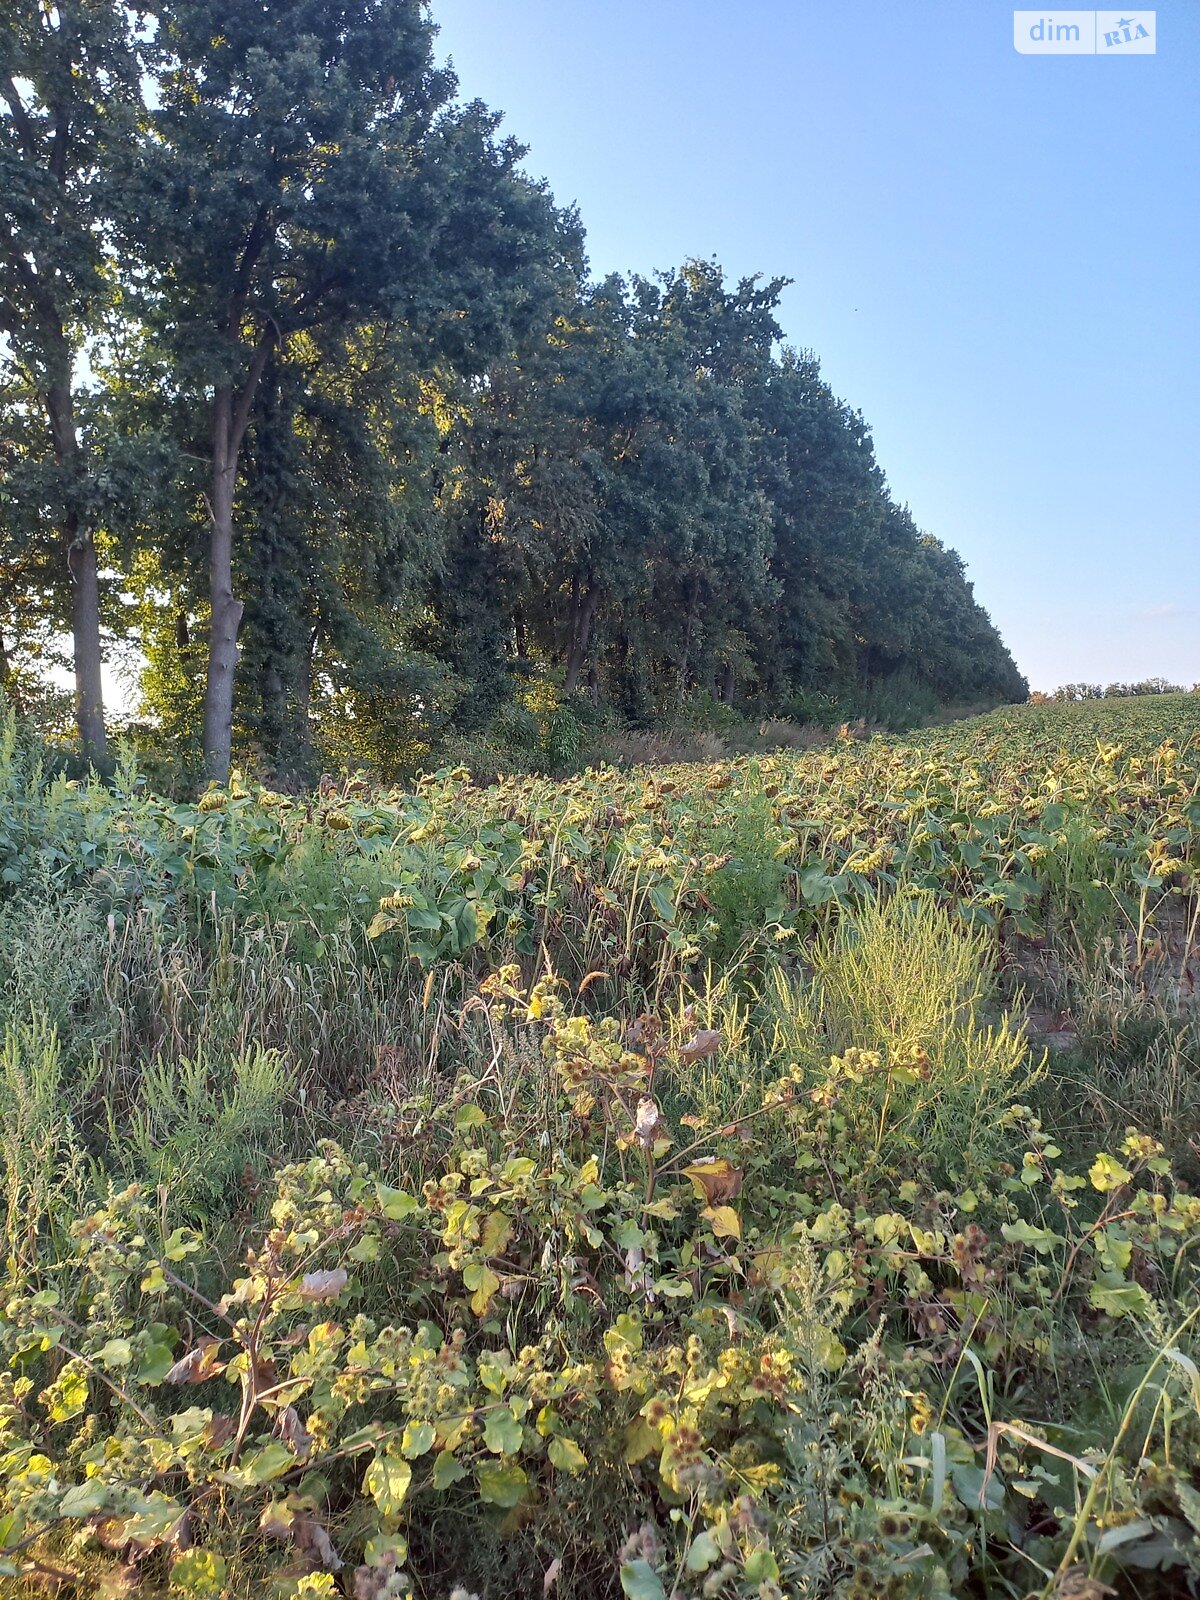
[245, 399]
[255, 241]
[59, 144]
[22, 121]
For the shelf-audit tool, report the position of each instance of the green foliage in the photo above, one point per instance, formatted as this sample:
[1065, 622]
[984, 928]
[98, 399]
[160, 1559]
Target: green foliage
[40, 1150]
[621, 1185]
[371, 453]
[560, 1315]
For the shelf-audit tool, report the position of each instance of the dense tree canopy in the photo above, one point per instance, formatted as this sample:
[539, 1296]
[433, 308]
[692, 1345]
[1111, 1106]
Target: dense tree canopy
[306, 392]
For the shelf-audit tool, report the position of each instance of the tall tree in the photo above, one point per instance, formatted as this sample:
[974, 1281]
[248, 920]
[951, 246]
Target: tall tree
[69, 92]
[307, 171]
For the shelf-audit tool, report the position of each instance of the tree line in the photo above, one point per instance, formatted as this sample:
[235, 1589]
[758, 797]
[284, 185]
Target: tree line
[306, 392]
[1115, 691]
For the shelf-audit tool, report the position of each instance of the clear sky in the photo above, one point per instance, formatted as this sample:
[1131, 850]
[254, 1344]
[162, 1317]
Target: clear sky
[995, 256]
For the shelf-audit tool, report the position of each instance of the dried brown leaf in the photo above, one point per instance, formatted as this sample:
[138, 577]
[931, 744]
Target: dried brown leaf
[199, 1363]
[292, 1431]
[648, 1121]
[703, 1043]
[218, 1431]
[716, 1181]
[311, 1540]
[1077, 1583]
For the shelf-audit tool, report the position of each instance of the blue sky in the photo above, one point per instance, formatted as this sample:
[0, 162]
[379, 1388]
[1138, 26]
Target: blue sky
[994, 255]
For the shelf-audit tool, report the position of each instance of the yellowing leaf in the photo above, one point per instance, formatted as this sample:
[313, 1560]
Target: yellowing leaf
[198, 1573]
[418, 1440]
[502, 1486]
[497, 1231]
[566, 1455]
[484, 1282]
[71, 1394]
[724, 1221]
[1107, 1173]
[641, 1440]
[386, 1481]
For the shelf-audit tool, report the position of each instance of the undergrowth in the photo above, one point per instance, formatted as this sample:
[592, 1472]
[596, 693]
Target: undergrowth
[650, 1185]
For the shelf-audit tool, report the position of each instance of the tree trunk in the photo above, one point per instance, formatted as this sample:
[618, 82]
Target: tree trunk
[685, 656]
[8, 684]
[85, 632]
[304, 685]
[82, 571]
[583, 614]
[230, 417]
[728, 682]
[226, 610]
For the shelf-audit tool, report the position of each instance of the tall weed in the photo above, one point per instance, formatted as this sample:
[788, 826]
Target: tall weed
[890, 1026]
[40, 1154]
[197, 1124]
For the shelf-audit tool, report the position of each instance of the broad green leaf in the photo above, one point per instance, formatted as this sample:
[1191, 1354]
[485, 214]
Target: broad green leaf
[447, 1470]
[386, 1481]
[977, 1491]
[272, 1461]
[1042, 1240]
[761, 1566]
[639, 1581]
[418, 1440]
[566, 1455]
[702, 1552]
[395, 1203]
[503, 1486]
[116, 1353]
[1117, 1297]
[662, 903]
[157, 1361]
[502, 1433]
[154, 1518]
[86, 1499]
